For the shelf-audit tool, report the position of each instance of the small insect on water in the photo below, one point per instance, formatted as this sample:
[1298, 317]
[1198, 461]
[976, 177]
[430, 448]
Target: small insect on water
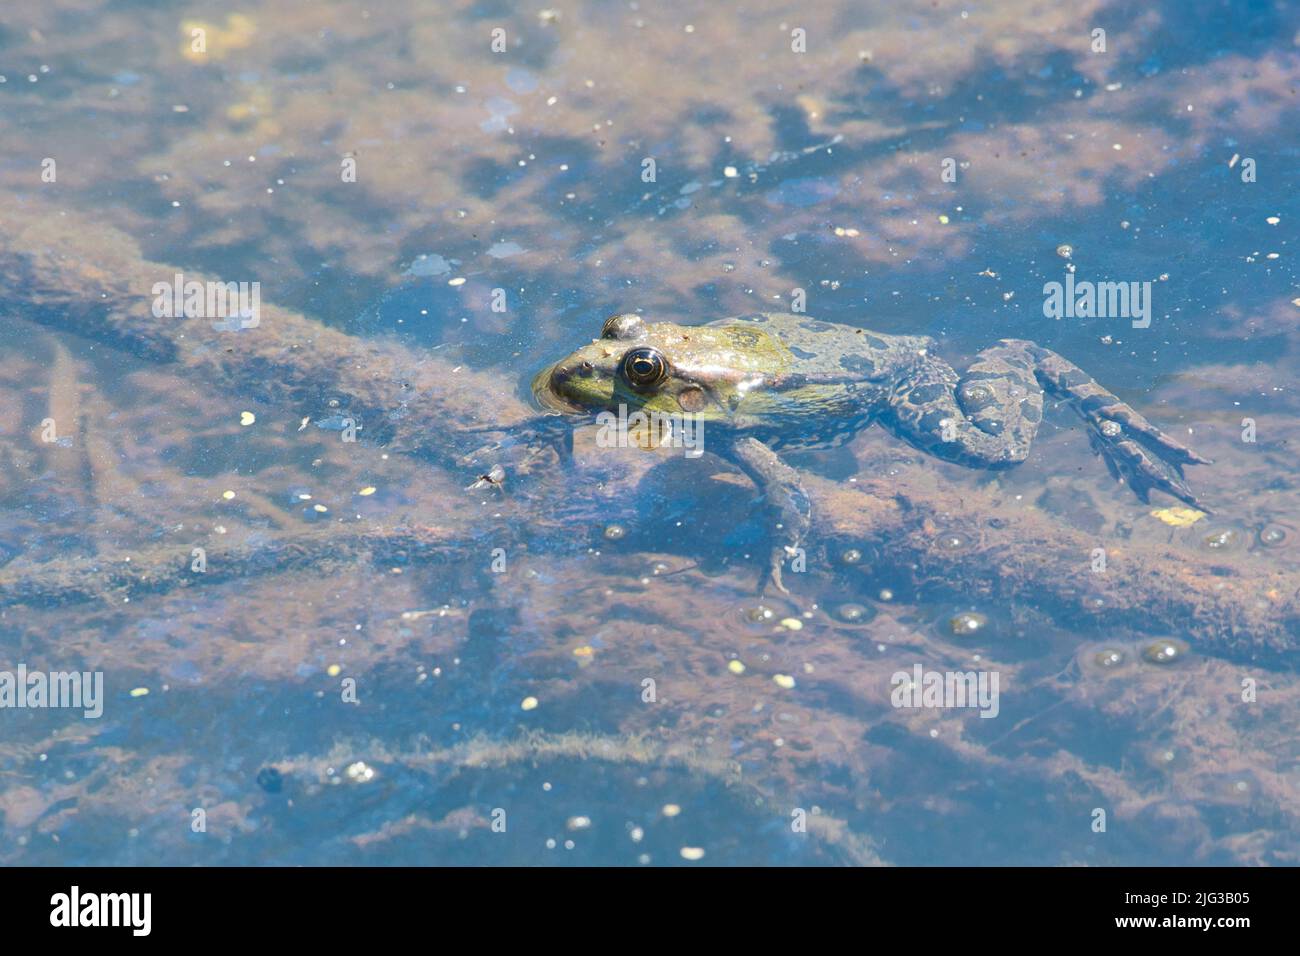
[496, 476]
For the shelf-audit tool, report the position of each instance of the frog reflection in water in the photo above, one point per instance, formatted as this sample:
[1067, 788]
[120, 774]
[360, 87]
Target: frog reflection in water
[763, 383]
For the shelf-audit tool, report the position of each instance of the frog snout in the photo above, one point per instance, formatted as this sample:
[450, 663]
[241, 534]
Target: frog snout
[562, 373]
[549, 391]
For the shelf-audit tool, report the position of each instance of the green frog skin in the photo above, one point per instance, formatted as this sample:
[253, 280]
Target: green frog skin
[766, 382]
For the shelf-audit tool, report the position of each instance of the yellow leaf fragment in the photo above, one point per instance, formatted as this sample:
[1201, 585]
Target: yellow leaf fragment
[1178, 517]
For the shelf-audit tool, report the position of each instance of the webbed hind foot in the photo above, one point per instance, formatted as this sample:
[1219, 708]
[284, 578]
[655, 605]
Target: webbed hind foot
[1134, 450]
[988, 416]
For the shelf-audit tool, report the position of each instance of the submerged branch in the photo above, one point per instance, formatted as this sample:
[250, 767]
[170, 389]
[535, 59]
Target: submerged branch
[981, 543]
[90, 279]
[161, 569]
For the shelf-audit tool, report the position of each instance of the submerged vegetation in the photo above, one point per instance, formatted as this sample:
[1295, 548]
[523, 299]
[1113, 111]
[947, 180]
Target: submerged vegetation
[322, 628]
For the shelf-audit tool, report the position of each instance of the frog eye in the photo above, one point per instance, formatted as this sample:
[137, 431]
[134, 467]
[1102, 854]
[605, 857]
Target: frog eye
[621, 326]
[644, 368]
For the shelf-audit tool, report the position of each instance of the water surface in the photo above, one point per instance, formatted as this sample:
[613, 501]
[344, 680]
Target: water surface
[333, 688]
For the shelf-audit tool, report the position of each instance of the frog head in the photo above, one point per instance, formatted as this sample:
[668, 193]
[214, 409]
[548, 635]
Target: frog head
[705, 371]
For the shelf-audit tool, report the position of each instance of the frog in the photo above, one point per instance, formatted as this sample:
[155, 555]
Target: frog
[766, 383]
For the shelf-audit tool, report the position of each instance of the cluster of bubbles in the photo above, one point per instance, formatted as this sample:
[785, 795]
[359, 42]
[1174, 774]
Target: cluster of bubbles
[1162, 652]
[1231, 538]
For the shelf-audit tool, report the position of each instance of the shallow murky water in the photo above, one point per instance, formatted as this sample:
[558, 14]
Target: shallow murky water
[318, 645]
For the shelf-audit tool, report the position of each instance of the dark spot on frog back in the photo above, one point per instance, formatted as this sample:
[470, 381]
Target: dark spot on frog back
[801, 353]
[812, 325]
[926, 394]
[858, 365]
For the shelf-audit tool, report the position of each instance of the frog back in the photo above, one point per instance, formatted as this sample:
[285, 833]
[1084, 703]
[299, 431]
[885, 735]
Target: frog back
[836, 379]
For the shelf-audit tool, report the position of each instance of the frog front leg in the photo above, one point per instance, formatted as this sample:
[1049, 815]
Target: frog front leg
[987, 418]
[785, 497]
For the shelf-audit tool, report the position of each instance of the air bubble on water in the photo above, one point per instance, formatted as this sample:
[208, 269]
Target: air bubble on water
[1164, 652]
[967, 623]
[1270, 536]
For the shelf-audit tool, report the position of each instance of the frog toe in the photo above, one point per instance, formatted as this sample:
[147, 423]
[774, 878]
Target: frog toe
[774, 572]
[1106, 415]
[1130, 462]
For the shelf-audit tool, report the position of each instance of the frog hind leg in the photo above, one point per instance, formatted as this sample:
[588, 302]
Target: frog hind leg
[988, 417]
[1134, 450]
[785, 497]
